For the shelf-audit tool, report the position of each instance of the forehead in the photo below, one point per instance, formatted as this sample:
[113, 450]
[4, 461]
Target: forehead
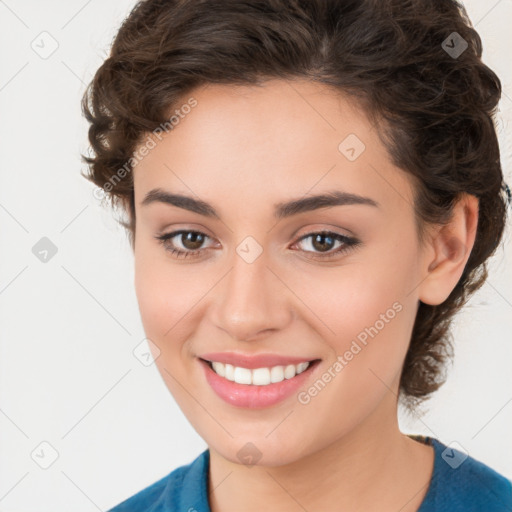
[260, 144]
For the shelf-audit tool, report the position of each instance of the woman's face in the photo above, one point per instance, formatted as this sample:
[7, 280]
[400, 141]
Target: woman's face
[254, 284]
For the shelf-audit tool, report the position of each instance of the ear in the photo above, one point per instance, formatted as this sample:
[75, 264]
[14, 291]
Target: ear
[447, 252]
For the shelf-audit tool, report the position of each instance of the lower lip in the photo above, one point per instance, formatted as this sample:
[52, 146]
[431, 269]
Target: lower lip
[252, 396]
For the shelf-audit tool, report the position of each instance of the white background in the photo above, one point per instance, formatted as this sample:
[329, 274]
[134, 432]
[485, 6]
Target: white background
[68, 327]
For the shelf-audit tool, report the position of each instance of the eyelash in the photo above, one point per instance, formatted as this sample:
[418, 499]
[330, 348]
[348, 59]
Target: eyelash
[349, 243]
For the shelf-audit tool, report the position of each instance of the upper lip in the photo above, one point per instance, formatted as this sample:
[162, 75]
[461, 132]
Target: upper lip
[252, 361]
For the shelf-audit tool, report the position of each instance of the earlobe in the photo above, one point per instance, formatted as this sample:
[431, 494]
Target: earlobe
[448, 252]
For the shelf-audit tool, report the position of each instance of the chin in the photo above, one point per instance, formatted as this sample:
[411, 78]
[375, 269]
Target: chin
[258, 451]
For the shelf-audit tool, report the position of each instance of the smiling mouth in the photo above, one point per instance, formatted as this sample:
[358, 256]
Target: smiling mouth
[260, 376]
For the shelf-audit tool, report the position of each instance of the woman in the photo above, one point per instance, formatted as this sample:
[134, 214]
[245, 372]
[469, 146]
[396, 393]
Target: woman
[312, 189]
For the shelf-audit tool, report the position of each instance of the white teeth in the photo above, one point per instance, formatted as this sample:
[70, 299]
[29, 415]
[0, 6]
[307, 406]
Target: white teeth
[258, 376]
[276, 374]
[289, 371]
[229, 371]
[301, 367]
[219, 368]
[243, 375]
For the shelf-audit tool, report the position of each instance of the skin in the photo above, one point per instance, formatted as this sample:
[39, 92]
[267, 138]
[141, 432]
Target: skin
[244, 149]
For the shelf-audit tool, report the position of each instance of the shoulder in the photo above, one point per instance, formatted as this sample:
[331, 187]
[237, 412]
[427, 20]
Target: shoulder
[185, 484]
[461, 482]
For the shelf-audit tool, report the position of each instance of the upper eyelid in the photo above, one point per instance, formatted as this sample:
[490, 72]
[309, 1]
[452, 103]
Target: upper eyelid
[322, 231]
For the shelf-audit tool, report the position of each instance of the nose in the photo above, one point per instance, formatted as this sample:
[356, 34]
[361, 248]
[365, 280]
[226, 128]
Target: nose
[251, 300]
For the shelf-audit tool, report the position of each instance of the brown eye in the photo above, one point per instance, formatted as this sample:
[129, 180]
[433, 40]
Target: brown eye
[322, 242]
[190, 241]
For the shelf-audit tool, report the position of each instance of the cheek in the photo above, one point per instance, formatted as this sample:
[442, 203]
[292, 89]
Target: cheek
[161, 293]
[353, 297]
[154, 299]
[365, 312]
[374, 326]
[371, 326]
[169, 299]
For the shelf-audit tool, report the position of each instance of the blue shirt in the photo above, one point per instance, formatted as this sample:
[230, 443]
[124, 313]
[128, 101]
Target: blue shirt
[459, 483]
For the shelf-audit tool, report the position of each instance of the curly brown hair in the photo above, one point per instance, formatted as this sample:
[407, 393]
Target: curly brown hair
[413, 66]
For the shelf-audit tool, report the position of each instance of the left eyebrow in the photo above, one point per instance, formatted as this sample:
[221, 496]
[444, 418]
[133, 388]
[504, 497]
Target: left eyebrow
[281, 210]
[325, 200]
